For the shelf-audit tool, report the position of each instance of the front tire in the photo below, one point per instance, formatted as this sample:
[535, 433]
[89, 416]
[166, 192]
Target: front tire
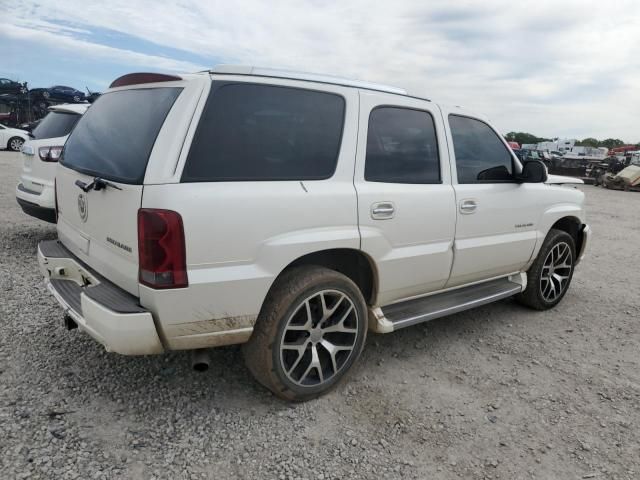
[550, 275]
[310, 331]
[15, 144]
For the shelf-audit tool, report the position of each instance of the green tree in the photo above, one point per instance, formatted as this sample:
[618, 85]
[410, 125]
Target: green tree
[611, 143]
[588, 142]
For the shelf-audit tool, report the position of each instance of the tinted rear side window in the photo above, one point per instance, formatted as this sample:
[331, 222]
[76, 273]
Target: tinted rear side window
[261, 132]
[114, 138]
[481, 157]
[401, 147]
[56, 124]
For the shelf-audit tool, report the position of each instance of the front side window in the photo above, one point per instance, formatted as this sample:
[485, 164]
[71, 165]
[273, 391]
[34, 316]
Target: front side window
[257, 132]
[481, 157]
[401, 147]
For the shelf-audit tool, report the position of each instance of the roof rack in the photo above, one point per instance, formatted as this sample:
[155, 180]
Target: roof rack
[310, 77]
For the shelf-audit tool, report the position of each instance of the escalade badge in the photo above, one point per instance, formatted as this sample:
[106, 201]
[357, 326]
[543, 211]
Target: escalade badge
[83, 208]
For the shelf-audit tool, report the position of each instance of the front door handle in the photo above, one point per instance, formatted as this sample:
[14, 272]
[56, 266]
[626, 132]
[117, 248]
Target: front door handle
[468, 206]
[383, 210]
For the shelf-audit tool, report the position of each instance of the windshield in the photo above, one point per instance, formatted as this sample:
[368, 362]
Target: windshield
[55, 124]
[115, 137]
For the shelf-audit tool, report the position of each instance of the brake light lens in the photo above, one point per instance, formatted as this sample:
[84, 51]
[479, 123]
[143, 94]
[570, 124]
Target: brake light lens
[50, 154]
[161, 249]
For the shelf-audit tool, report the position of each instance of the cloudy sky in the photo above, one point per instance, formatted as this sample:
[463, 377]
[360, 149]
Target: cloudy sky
[552, 68]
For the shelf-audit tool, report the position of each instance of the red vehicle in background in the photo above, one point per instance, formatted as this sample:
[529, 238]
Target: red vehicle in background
[514, 145]
[622, 150]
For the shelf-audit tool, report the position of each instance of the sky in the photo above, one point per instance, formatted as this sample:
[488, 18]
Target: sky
[558, 68]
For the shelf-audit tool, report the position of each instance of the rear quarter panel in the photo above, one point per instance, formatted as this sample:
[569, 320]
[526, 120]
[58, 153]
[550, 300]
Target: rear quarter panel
[241, 235]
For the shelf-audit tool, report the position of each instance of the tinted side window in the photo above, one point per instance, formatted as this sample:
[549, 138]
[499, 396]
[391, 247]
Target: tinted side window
[481, 157]
[262, 132]
[401, 147]
[56, 124]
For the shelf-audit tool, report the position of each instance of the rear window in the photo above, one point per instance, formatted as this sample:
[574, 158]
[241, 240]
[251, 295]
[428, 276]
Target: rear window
[262, 132]
[56, 124]
[115, 137]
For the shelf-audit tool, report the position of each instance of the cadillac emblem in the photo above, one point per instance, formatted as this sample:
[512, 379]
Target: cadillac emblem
[83, 208]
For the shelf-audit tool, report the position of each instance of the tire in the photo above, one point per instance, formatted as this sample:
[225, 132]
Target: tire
[76, 99]
[15, 144]
[311, 310]
[550, 275]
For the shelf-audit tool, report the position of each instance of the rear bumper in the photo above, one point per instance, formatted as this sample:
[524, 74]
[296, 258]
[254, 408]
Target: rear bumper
[41, 193]
[35, 210]
[109, 314]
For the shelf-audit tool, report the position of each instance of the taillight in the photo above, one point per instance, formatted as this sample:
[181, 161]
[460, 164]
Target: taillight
[161, 249]
[50, 154]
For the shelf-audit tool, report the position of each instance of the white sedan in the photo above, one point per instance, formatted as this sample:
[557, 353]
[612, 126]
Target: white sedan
[12, 138]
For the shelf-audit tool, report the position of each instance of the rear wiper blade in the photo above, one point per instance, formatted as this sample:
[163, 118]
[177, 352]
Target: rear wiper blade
[97, 184]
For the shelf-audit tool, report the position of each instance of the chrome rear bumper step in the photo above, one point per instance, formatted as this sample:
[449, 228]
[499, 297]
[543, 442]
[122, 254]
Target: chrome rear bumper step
[419, 310]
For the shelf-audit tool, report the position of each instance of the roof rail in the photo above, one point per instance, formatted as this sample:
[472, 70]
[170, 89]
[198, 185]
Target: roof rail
[309, 77]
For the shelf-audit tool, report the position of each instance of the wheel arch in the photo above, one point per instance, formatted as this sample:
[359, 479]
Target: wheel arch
[353, 263]
[574, 227]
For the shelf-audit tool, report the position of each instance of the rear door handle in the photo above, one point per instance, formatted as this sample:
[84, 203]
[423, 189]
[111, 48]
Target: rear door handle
[383, 210]
[468, 206]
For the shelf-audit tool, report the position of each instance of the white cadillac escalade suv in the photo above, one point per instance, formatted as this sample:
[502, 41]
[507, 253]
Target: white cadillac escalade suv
[293, 213]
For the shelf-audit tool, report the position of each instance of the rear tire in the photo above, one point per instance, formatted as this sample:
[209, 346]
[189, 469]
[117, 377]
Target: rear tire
[311, 330]
[15, 144]
[550, 275]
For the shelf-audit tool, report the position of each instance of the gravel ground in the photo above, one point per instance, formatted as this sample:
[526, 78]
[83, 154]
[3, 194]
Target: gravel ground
[497, 392]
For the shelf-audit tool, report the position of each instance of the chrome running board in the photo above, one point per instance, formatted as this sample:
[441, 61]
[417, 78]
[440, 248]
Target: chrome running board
[411, 312]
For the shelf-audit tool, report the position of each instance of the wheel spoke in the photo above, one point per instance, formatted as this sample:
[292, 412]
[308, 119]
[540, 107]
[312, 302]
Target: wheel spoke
[300, 349]
[315, 363]
[333, 350]
[306, 326]
[339, 327]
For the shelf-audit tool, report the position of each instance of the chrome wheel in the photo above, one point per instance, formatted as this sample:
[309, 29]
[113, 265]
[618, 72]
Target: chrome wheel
[318, 338]
[556, 272]
[16, 144]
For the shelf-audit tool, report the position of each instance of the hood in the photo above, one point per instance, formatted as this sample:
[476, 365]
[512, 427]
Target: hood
[560, 179]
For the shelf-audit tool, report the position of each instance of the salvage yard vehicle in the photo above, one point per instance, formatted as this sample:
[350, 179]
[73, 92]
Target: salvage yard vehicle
[12, 138]
[294, 212]
[40, 154]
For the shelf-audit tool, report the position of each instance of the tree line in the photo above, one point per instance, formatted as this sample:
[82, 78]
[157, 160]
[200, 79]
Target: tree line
[523, 137]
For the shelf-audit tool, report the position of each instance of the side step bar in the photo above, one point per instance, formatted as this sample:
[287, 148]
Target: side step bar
[411, 312]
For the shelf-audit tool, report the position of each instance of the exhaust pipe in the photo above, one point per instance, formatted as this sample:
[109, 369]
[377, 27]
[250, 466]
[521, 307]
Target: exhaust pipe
[200, 360]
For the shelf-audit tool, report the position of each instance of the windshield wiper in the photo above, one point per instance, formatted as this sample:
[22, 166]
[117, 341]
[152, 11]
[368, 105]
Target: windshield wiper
[97, 185]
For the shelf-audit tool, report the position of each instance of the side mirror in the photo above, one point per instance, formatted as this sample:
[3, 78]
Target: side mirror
[533, 171]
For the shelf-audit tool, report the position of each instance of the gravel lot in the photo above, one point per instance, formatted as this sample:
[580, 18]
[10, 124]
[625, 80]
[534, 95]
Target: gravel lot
[497, 392]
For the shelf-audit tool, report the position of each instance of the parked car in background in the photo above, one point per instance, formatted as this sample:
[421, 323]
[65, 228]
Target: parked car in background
[293, 212]
[12, 138]
[58, 93]
[35, 193]
[8, 86]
